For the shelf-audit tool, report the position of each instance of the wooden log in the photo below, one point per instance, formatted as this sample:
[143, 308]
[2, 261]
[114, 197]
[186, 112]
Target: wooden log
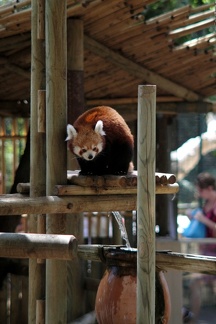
[117, 181]
[23, 188]
[18, 204]
[165, 178]
[71, 190]
[146, 204]
[56, 170]
[22, 245]
[37, 160]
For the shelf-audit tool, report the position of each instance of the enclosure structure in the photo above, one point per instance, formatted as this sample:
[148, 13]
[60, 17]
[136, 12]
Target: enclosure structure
[45, 176]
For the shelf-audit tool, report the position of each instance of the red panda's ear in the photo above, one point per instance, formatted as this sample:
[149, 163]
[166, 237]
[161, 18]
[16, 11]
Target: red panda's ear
[71, 132]
[99, 128]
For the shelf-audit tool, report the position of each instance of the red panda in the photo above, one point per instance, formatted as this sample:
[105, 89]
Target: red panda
[101, 141]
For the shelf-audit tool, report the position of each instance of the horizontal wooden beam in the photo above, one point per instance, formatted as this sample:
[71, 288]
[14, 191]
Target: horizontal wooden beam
[39, 246]
[74, 190]
[64, 247]
[71, 190]
[139, 71]
[107, 185]
[16, 204]
[164, 259]
[186, 262]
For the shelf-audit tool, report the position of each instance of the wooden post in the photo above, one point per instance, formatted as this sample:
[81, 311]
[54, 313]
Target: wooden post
[56, 104]
[75, 61]
[37, 160]
[146, 205]
[75, 78]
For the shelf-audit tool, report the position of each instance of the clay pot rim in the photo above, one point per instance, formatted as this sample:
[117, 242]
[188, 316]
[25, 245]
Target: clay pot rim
[121, 256]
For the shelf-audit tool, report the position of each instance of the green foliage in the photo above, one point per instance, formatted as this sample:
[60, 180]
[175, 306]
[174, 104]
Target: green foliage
[13, 148]
[3, 2]
[164, 6]
[160, 7]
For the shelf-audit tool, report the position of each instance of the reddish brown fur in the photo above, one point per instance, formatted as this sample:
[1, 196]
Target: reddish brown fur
[113, 124]
[117, 143]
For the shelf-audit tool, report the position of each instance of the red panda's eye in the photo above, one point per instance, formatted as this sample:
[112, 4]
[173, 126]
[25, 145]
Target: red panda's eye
[83, 150]
[95, 149]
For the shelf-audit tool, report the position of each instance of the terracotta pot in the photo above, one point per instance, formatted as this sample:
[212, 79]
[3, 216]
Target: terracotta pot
[116, 295]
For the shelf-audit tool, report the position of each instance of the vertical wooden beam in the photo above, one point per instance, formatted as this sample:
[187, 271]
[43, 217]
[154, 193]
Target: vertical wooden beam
[162, 163]
[56, 104]
[75, 79]
[37, 160]
[75, 76]
[146, 205]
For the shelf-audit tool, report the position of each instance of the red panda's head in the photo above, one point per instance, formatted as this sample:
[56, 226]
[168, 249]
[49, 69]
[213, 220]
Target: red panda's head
[86, 143]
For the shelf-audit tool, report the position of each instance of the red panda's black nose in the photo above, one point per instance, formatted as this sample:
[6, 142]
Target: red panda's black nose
[90, 157]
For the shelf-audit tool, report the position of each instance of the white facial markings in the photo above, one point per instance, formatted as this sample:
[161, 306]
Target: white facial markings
[76, 150]
[88, 153]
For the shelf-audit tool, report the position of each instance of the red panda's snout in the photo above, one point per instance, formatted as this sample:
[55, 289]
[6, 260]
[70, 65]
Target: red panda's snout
[88, 154]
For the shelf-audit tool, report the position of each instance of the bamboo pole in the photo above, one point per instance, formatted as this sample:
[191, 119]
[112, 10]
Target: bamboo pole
[146, 205]
[56, 103]
[22, 245]
[37, 160]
